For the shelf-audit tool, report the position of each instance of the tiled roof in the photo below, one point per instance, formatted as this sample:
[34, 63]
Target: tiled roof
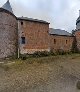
[59, 32]
[7, 6]
[31, 19]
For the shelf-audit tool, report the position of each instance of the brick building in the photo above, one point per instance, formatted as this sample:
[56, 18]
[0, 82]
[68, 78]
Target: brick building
[60, 40]
[28, 35]
[35, 33]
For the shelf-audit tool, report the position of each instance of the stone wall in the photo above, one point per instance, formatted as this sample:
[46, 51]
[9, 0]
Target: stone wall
[8, 34]
[36, 36]
[61, 42]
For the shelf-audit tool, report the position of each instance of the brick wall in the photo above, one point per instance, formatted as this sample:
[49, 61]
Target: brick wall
[36, 36]
[8, 34]
[61, 42]
[77, 34]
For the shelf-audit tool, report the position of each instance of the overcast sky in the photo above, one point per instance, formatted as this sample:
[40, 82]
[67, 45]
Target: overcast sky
[60, 13]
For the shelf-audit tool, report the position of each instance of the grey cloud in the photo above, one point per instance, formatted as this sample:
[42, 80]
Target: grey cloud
[60, 13]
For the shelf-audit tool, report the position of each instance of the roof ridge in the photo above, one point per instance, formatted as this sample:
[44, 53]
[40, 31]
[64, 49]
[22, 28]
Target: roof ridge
[32, 19]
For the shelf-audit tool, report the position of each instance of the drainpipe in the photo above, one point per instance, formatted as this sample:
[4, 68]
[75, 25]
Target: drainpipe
[18, 43]
[18, 54]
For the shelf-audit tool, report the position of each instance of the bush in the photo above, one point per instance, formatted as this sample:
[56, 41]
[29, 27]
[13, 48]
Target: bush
[51, 52]
[23, 57]
[41, 54]
[61, 52]
[36, 54]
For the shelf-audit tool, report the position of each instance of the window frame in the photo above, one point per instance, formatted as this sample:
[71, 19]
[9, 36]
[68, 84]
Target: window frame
[66, 41]
[54, 41]
[21, 22]
[23, 41]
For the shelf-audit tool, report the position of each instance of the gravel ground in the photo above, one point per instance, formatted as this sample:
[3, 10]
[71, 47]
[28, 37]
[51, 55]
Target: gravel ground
[59, 75]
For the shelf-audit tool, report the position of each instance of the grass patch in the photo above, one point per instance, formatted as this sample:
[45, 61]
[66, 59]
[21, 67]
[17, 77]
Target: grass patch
[20, 64]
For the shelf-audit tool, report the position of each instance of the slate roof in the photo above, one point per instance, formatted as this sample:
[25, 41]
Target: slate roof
[78, 20]
[59, 32]
[31, 19]
[7, 6]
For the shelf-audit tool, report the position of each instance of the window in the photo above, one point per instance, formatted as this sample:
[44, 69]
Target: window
[21, 23]
[23, 40]
[54, 41]
[66, 41]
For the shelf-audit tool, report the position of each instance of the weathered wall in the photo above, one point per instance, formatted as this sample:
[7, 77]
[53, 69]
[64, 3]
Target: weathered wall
[36, 35]
[77, 34]
[8, 34]
[62, 43]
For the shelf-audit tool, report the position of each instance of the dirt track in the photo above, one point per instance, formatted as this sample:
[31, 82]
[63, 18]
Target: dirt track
[59, 75]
